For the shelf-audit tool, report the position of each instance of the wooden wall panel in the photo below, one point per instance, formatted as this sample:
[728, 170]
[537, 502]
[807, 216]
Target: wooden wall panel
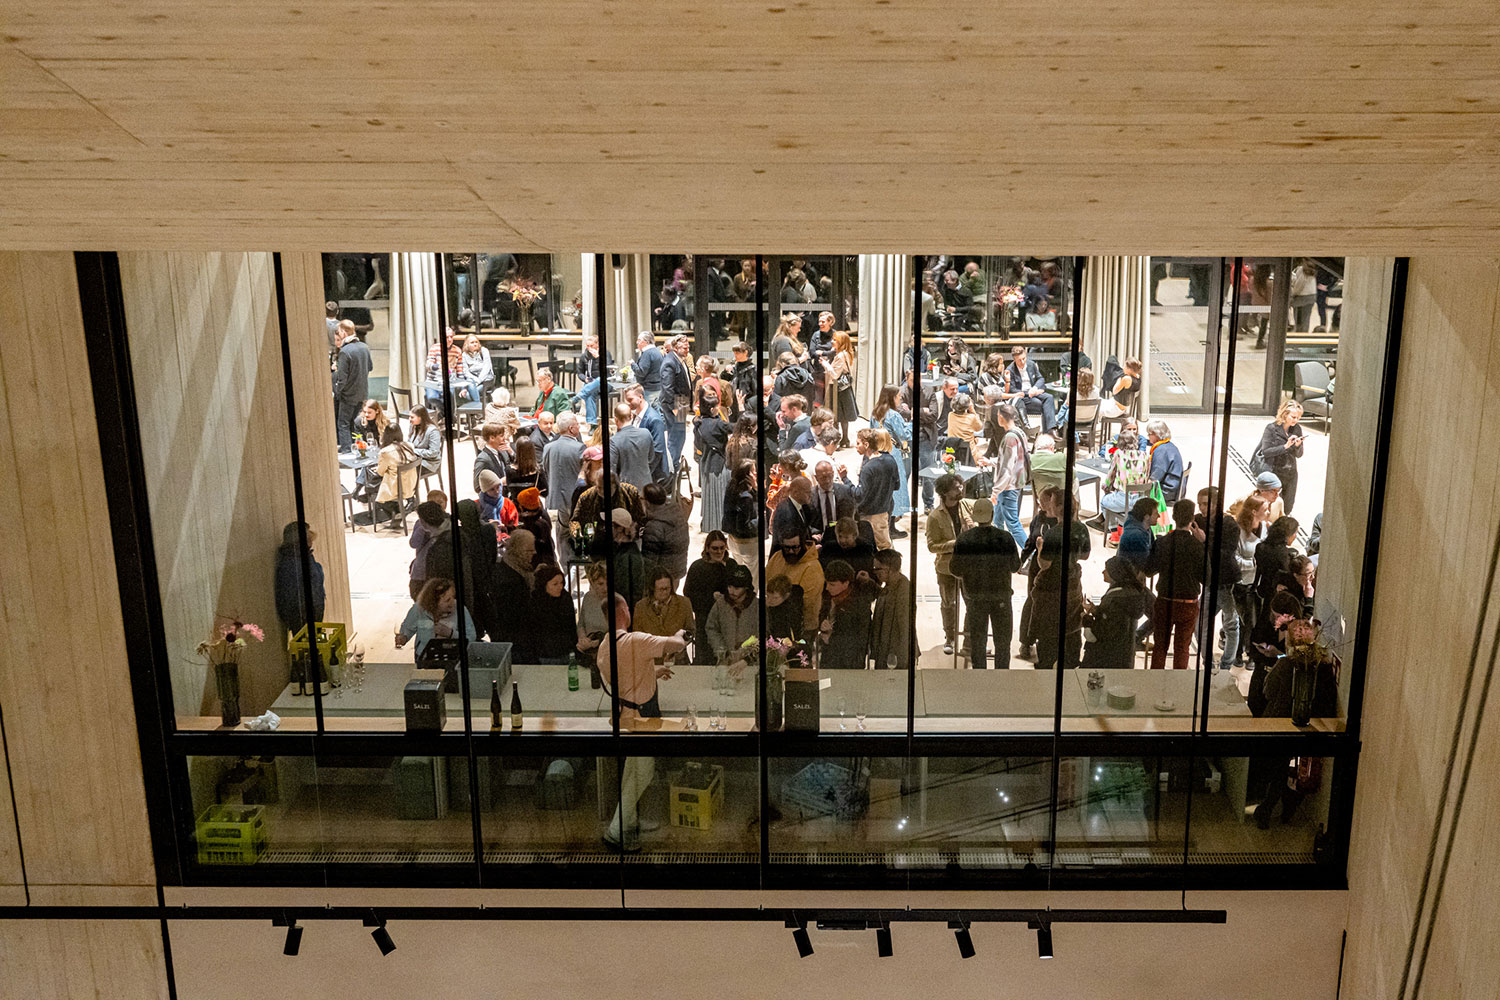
[74, 751]
[905, 125]
[206, 352]
[1442, 508]
[205, 346]
[64, 687]
[302, 281]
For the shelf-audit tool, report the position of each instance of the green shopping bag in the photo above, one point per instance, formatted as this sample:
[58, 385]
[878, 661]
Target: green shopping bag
[1159, 527]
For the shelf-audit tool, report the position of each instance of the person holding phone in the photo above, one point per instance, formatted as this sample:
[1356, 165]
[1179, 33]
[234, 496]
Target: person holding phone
[1281, 447]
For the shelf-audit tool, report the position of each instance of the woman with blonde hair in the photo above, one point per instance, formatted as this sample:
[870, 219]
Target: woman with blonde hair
[786, 337]
[840, 371]
[1280, 447]
[477, 363]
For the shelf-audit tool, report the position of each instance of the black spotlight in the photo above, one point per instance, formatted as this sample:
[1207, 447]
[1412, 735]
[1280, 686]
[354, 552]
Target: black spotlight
[804, 943]
[883, 942]
[382, 936]
[293, 939]
[965, 943]
[1043, 939]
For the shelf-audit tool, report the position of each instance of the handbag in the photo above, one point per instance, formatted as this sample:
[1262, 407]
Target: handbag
[845, 383]
[1257, 462]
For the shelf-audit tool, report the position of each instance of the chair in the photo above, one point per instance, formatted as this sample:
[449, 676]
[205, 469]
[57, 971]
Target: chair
[1106, 431]
[962, 454]
[400, 401]
[565, 372]
[347, 499]
[1086, 420]
[401, 510]
[1310, 388]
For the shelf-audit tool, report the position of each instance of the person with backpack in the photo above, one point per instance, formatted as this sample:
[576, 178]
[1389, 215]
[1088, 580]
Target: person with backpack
[1012, 472]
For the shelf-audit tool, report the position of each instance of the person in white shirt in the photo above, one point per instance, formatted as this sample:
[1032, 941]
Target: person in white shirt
[632, 671]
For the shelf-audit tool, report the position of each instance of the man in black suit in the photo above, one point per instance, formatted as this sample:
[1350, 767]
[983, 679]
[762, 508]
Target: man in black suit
[545, 431]
[831, 499]
[351, 382]
[793, 514]
[630, 449]
[489, 456]
[793, 421]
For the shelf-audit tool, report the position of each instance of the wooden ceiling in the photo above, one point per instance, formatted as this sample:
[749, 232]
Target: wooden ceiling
[1276, 126]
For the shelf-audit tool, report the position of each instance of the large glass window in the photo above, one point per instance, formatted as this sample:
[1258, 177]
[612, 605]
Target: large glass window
[850, 621]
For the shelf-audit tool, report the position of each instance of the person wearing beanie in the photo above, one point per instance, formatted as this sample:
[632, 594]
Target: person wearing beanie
[1268, 489]
[984, 559]
[489, 495]
[535, 519]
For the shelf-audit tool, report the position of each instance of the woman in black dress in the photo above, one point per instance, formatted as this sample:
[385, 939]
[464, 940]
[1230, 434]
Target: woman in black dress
[707, 578]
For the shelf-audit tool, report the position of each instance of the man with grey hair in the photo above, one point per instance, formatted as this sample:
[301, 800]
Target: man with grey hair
[561, 461]
[1166, 461]
[675, 400]
[647, 365]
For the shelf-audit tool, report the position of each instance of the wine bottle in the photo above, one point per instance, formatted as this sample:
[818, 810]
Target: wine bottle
[517, 719]
[572, 671]
[495, 724]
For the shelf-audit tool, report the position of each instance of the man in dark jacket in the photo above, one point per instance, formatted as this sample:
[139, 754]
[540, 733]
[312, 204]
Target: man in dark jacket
[1220, 574]
[512, 578]
[878, 479]
[351, 382]
[1177, 563]
[793, 514]
[291, 600]
[1026, 389]
[985, 558]
[831, 499]
[630, 450]
[593, 366]
[676, 399]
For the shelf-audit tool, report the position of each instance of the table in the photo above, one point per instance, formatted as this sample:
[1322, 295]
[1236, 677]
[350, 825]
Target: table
[1084, 474]
[964, 472]
[356, 461]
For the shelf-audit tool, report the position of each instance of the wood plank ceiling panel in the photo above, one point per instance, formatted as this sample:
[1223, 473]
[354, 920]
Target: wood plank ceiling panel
[1280, 126]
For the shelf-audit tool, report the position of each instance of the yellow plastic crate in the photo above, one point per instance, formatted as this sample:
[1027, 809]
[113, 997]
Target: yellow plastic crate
[697, 795]
[231, 835]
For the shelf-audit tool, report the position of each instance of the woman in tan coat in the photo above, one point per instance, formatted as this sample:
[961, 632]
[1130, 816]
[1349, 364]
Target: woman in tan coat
[840, 391]
[396, 486]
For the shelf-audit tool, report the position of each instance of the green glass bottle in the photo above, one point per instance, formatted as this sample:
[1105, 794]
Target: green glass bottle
[517, 719]
[495, 723]
[572, 671]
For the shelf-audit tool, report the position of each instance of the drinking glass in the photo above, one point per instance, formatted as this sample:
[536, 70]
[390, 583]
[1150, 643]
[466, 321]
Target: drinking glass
[859, 713]
[691, 722]
[843, 711]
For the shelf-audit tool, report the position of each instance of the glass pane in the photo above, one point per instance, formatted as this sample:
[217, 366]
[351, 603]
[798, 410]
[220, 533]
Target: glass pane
[205, 349]
[395, 811]
[674, 293]
[677, 811]
[1179, 331]
[843, 813]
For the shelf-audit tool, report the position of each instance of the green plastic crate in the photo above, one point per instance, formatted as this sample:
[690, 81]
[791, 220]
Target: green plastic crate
[231, 835]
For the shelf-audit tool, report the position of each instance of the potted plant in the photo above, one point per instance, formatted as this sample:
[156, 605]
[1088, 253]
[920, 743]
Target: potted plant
[223, 649]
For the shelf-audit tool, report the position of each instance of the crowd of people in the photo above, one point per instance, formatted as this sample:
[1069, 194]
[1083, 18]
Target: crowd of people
[543, 512]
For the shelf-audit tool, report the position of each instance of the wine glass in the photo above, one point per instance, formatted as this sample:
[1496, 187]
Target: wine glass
[859, 713]
[721, 719]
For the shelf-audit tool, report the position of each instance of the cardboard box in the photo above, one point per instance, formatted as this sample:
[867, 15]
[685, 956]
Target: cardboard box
[697, 796]
[802, 702]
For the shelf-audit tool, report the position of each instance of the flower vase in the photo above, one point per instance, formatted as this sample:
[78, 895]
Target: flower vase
[227, 681]
[775, 696]
[526, 318]
[1304, 680]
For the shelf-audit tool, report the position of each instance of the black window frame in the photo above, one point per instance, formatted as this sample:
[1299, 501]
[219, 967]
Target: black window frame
[165, 750]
